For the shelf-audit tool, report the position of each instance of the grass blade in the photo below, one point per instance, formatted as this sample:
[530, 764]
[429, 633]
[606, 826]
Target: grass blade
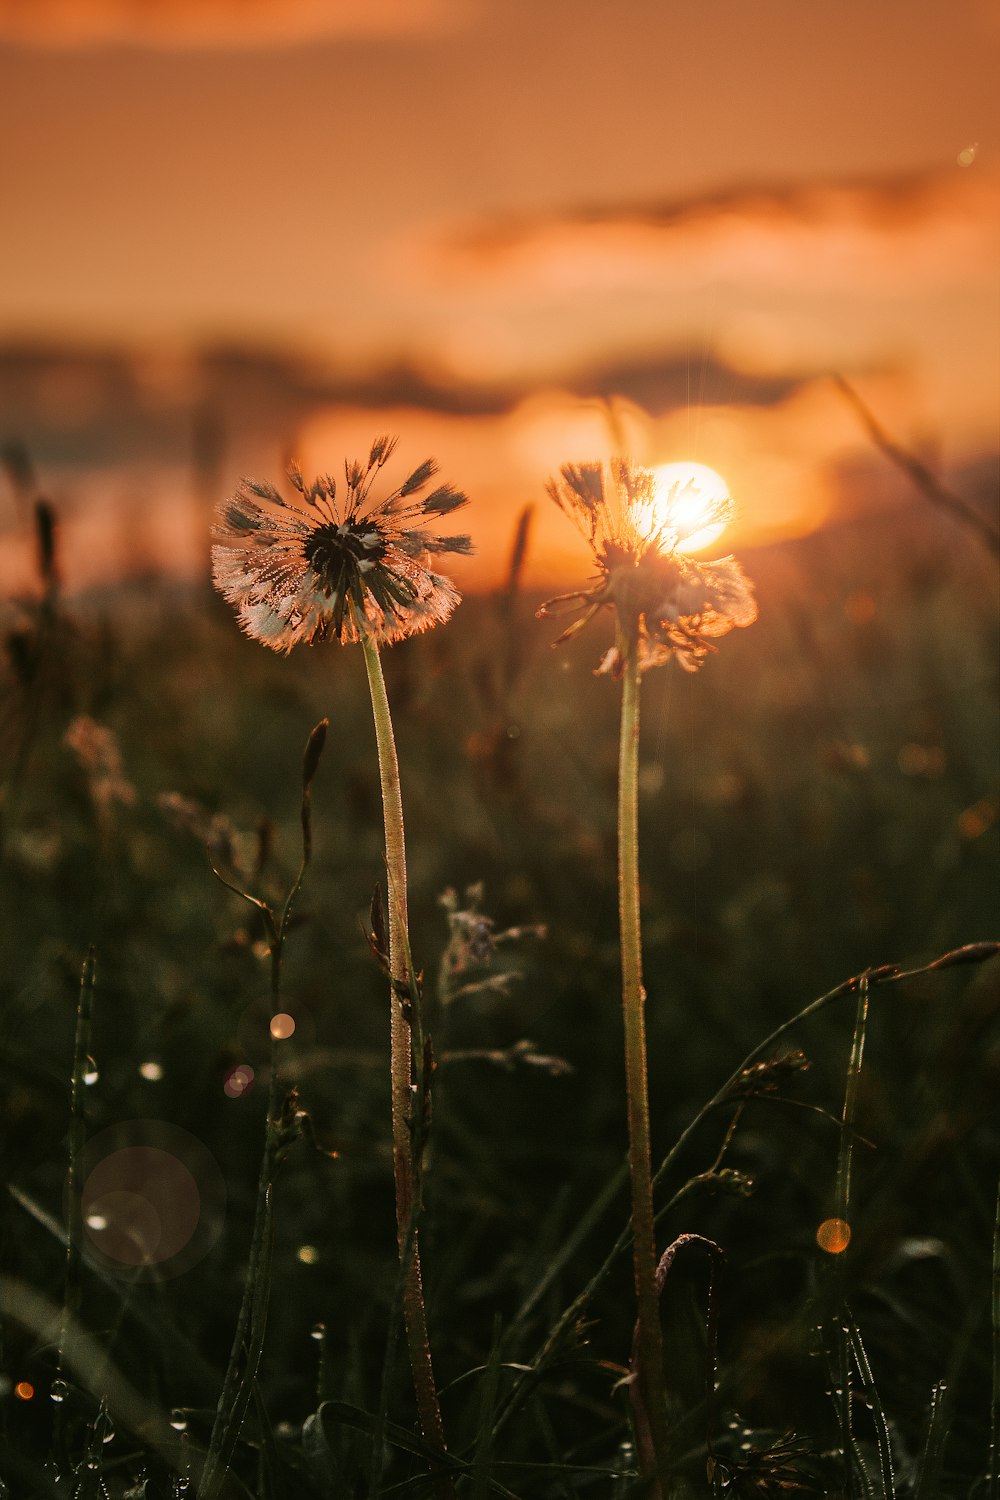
[929, 1477]
[875, 1402]
[993, 1468]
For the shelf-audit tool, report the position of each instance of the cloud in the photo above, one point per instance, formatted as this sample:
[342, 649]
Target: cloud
[782, 461]
[235, 24]
[888, 235]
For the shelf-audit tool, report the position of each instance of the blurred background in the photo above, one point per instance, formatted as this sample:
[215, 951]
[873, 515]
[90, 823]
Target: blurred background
[515, 232]
[518, 233]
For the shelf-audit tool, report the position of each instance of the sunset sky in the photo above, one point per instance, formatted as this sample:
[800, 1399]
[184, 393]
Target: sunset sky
[473, 221]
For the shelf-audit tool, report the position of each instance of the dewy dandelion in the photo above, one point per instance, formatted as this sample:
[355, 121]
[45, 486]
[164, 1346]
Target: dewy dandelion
[348, 568]
[357, 568]
[665, 604]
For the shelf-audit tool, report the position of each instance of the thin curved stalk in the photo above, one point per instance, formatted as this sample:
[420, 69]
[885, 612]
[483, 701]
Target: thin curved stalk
[239, 1382]
[994, 1453]
[403, 1000]
[649, 1338]
[888, 974]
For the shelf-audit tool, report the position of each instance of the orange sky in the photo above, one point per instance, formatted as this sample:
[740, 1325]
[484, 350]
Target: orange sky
[531, 204]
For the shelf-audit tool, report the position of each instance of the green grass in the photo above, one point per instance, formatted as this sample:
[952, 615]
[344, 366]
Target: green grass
[822, 798]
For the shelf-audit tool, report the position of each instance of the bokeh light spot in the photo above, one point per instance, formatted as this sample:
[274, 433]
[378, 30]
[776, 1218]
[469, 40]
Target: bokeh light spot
[152, 1198]
[151, 1071]
[282, 1026]
[24, 1390]
[921, 760]
[975, 820]
[307, 1254]
[834, 1236]
[238, 1082]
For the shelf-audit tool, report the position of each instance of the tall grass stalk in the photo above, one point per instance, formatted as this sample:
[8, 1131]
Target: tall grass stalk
[77, 1140]
[404, 1006]
[842, 1346]
[649, 1332]
[239, 1383]
[994, 1450]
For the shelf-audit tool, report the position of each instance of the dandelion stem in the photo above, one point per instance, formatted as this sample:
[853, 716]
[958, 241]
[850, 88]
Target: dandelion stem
[650, 1336]
[403, 1000]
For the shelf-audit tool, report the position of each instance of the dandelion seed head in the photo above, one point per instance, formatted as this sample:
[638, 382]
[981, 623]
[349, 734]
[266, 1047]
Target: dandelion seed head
[337, 566]
[669, 603]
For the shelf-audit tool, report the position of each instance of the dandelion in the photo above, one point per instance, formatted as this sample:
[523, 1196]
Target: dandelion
[357, 568]
[347, 568]
[665, 601]
[665, 604]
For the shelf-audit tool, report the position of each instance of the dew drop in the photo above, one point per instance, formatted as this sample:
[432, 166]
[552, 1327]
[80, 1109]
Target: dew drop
[90, 1073]
[59, 1391]
[833, 1236]
[318, 1331]
[178, 1419]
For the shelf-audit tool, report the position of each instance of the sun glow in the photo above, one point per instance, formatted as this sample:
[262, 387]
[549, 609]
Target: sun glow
[690, 508]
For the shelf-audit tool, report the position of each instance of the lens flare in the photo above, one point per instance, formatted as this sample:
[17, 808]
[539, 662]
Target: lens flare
[689, 509]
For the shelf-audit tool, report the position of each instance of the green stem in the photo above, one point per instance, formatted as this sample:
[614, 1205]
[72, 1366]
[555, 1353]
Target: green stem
[650, 1336]
[406, 1163]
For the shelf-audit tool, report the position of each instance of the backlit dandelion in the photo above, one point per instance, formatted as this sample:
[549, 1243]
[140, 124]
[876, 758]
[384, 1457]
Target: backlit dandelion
[669, 603]
[665, 604]
[358, 568]
[344, 567]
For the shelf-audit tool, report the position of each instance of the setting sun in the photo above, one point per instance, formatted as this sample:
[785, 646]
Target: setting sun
[690, 508]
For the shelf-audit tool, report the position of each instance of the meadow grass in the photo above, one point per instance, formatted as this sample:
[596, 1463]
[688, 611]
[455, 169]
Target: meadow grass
[821, 801]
